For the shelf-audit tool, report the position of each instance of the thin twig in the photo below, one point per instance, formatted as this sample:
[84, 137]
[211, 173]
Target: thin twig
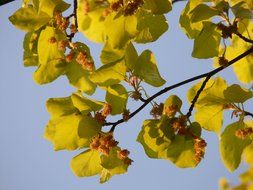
[195, 99]
[244, 38]
[3, 2]
[74, 14]
[246, 113]
[165, 90]
[175, 1]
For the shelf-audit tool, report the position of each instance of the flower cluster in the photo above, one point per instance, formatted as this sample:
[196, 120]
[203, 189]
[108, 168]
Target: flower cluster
[223, 61]
[103, 143]
[100, 116]
[123, 155]
[129, 7]
[82, 58]
[126, 115]
[199, 147]
[179, 125]
[86, 7]
[157, 110]
[61, 22]
[243, 133]
[132, 6]
[171, 110]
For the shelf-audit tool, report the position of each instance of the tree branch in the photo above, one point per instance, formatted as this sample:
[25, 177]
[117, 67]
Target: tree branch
[244, 38]
[246, 113]
[165, 90]
[175, 1]
[195, 99]
[74, 14]
[3, 2]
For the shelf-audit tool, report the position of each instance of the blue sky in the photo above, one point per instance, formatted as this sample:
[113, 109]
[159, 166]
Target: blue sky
[28, 162]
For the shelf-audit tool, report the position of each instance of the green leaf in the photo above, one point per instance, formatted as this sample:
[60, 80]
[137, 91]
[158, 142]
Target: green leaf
[192, 30]
[126, 29]
[244, 67]
[208, 37]
[150, 27]
[213, 93]
[131, 56]
[66, 133]
[231, 147]
[110, 54]
[236, 94]
[28, 19]
[109, 74]
[58, 107]
[105, 176]
[49, 132]
[50, 6]
[203, 12]
[210, 117]
[77, 75]
[117, 96]
[152, 139]
[86, 164]
[247, 177]
[209, 107]
[86, 105]
[88, 128]
[51, 59]
[242, 11]
[128, 55]
[146, 69]
[173, 100]
[112, 163]
[159, 141]
[79, 78]
[91, 23]
[181, 152]
[30, 43]
[248, 154]
[158, 6]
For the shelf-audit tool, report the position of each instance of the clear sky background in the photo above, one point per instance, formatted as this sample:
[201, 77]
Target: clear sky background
[28, 162]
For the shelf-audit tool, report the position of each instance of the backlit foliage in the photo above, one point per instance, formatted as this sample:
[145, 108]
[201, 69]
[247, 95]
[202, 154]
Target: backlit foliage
[220, 29]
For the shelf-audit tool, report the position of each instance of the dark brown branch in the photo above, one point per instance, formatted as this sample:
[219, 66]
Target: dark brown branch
[74, 14]
[165, 90]
[246, 113]
[195, 99]
[244, 38]
[3, 2]
[142, 99]
[175, 1]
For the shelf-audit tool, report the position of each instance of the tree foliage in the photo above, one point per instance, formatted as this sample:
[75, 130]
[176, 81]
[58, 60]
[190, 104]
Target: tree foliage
[220, 29]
